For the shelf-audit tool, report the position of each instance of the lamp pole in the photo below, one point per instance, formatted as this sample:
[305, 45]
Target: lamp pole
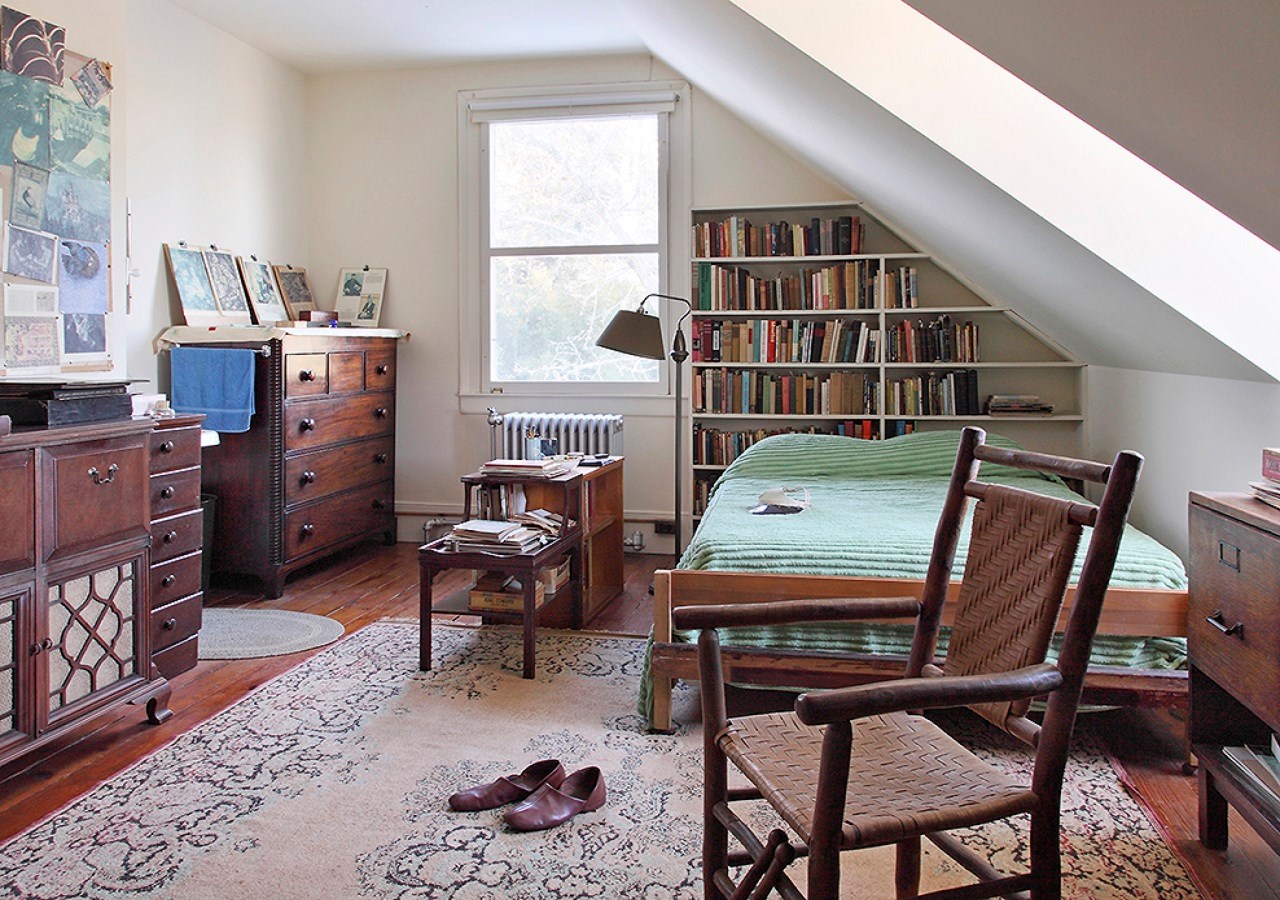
[679, 353]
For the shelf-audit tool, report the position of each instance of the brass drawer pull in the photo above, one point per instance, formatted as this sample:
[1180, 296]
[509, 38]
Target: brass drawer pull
[1229, 555]
[99, 478]
[1219, 621]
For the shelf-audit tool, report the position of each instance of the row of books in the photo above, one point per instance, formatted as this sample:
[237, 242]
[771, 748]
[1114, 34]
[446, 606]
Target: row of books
[938, 341]
[719, 447]
[933, 394]
[785, 340]
[1268, 489]
[846, 285]
[899, 288]
[726, 391]
[737, 236]
[1017, 405]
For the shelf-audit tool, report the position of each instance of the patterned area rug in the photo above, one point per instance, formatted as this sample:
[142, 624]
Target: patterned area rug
[330, 781]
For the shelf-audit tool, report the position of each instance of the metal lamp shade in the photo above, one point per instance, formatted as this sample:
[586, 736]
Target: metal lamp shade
[634, 333]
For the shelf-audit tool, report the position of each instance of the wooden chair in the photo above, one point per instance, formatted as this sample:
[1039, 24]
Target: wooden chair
[909, 779]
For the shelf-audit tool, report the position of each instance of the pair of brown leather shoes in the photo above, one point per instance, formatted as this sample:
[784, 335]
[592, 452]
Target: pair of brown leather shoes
[548, 796]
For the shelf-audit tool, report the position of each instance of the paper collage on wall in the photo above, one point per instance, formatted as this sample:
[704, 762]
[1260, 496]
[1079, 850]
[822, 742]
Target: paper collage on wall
[55, 182]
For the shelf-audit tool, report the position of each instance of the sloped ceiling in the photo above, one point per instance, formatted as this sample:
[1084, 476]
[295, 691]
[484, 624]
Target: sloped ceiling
[1011, 254]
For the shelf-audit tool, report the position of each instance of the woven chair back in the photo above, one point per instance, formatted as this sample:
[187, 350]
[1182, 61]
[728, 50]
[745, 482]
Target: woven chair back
[1021, 549]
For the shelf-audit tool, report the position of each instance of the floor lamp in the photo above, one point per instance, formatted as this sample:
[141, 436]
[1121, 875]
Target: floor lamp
[637, 333]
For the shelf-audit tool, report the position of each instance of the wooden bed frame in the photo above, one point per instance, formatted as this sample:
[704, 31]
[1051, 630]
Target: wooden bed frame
[1126, 611]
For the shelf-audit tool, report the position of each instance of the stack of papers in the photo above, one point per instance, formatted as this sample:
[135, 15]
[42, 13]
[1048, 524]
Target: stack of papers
[543, 520]
[1017, 405]
[496, 538]
[1267, 491]
[548, 467]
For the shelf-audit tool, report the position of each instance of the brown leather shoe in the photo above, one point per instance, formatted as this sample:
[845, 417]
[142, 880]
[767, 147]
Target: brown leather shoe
[549, 805]
[508, 788]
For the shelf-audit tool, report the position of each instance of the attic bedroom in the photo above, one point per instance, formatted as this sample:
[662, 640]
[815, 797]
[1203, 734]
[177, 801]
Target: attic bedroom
[639, 449]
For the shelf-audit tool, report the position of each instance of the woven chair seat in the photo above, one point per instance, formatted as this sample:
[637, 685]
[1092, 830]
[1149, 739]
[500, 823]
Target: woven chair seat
[901, 762]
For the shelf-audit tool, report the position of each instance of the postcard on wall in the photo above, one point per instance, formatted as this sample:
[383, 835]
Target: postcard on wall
[31, 254]
[24, 121]
[30, 342]
[360, 293]
[228, 289]
[268, 308]
[84, 338]
[79, 136]
[191, 280]
[26, 198]
[93, 81]
[295, 289]
[82, 277]
[31, 47]
[30, 300]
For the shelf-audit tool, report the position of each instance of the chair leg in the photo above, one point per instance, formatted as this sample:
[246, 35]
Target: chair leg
[1046, 854]
[906, 873]
[715, 837]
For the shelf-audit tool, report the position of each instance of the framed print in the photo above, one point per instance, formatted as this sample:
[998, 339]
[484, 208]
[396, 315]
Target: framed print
[360, 293]
[268, 308]
[295, 289]
[84, 338]
[191, 279]
[82, 277]
[31, 254]
[228, 289]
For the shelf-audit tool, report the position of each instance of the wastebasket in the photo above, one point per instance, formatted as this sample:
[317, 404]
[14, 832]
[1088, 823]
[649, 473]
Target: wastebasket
[207, 504]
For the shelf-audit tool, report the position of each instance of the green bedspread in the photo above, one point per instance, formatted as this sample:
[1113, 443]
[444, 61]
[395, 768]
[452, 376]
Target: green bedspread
[875, 507]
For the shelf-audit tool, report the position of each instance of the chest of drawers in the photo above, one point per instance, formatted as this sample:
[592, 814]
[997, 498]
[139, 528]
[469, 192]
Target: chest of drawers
[316, 471]
[176, 541]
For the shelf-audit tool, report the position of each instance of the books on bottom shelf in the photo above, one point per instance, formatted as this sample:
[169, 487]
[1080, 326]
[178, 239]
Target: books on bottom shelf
[496, 538]
[1260, 768]
[1017, 405]
[496, 592]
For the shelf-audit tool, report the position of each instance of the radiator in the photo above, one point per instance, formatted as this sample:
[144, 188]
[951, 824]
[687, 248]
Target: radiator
[575, 432]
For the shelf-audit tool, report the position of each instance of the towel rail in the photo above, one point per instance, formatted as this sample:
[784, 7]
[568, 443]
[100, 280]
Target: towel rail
[264, 350]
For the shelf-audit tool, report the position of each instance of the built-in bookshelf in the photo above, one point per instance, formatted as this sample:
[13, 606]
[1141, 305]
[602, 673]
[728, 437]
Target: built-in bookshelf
[819, 318]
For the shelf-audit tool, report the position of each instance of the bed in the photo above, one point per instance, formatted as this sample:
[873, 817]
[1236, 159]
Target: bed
[869, 534]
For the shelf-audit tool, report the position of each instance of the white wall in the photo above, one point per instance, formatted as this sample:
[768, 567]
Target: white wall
[383, 190]
[216, 148]
[1198, 434]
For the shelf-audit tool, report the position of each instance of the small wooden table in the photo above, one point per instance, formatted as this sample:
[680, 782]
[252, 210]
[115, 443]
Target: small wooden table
[437, 557]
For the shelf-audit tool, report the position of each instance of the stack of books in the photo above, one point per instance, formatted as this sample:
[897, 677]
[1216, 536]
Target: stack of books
[1017, 405]
[496, 538]
[1268, 489]
[543, 520]
[548, 467]
[65, 402]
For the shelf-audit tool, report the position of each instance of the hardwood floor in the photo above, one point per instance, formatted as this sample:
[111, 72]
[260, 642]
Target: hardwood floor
[375, 582]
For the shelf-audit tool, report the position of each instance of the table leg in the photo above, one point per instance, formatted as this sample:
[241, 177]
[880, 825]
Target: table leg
[575, 581]
[1213, 812]
[425, 575]
[530, 622]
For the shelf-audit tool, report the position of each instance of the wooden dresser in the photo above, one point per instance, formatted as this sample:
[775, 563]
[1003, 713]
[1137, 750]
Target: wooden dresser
[316, 470]
[1233, 643]
[176, 535]
[75, 628]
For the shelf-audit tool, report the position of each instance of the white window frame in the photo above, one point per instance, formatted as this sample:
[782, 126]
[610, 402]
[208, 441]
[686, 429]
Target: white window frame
[477, 108]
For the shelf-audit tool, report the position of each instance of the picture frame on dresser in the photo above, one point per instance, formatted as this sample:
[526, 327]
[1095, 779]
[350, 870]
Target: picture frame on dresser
[260, 283]
[295, 289]
[191, 281]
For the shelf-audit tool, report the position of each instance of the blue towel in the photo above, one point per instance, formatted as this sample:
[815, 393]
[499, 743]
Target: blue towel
[215, 381]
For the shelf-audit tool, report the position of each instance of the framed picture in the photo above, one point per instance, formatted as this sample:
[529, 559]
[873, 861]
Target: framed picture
[31, 254]
[295, 290]
[26, 201]
[228, 289]
[191, 279]
[268, 308]
[360, 293]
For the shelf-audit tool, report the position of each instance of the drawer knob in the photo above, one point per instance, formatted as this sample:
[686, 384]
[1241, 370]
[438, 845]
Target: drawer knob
[168, 580]
[306, 375]
[169, 624]
[170, 537]
[379, 504]
[380, 412]
[1219, 621]
[307, 425]
[42, 647]
[166, 492]
[308, 529]
[308, 477]
[380, 369]
[166, 447]
[380, 458]
[99, 478]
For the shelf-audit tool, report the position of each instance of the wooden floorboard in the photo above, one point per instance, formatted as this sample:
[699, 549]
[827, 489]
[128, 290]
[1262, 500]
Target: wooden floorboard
[371, 582]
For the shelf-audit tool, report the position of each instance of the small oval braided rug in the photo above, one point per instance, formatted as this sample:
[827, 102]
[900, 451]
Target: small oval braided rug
[253, 633]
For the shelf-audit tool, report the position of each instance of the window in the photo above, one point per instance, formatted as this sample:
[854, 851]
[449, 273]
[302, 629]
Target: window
[571, 200]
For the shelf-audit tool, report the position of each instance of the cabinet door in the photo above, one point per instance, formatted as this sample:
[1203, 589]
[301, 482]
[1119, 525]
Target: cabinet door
[94, 493]
[14, 727]
[94, 635]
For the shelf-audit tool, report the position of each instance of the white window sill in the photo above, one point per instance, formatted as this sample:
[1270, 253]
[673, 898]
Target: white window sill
[624, 404]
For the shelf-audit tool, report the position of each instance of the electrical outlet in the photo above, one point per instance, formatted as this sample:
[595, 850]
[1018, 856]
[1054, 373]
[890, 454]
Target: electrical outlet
[664, 527]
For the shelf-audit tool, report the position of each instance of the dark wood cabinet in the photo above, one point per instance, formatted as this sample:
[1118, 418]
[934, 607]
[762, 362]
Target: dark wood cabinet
[316, 471]
[1234, 654]
[177, 531]
[75, 637]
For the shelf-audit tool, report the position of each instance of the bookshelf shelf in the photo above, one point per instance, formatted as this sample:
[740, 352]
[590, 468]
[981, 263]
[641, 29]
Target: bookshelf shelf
[878, 295]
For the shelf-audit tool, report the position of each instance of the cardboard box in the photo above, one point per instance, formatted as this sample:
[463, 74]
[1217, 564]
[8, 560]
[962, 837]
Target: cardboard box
[495, 592]
[1271, 463]
[553, 578]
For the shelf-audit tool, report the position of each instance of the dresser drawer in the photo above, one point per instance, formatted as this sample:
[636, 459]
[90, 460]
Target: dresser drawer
[173, 492]
[338, 518]
[175, 579]
[346, 372]
[380, 368]
[97, 492]
[17, 511]
[175, 622]
[310, 476]
[175, 448]
[176, 536]
[181, 657]
[317, 423]
[1235, 583]
[306, 375]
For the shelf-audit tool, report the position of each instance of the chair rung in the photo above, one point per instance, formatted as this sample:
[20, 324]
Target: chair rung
[971, 861]
[745, 793]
